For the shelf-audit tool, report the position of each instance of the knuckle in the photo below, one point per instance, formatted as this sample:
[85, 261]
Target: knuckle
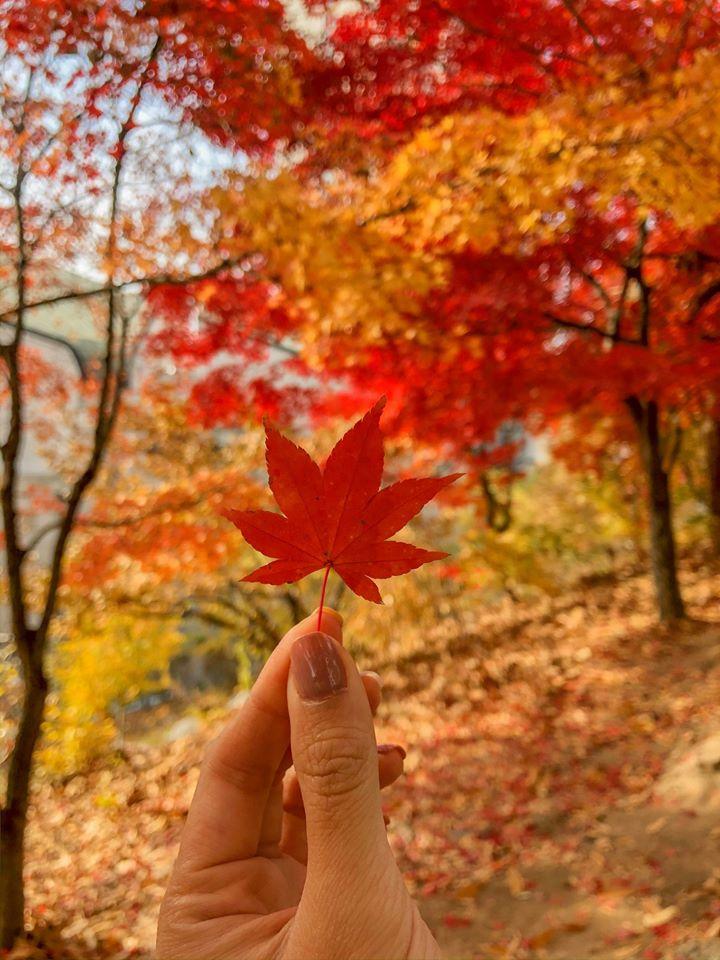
[171, 919]
[337, 761]
[247, 777]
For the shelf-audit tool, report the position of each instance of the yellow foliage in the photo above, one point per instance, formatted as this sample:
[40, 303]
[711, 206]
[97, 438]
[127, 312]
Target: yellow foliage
[343, 267]
[102, 665]
[359, 253]
[565, 525]
[657, 139]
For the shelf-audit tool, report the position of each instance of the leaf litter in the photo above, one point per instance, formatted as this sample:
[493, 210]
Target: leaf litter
[526, 823]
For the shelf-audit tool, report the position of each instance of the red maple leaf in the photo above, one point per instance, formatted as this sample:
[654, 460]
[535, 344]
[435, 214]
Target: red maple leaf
[337, 518]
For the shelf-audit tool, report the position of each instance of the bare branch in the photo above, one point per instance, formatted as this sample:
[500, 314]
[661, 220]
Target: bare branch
[673, 445]
[159, 280]
[498, 514]
[683, 32]
[535, 51]
[593, 281]
[55, 338]
[588, 328]
[704, 298]
[50, 217]
[582, 23]
[40, 535]
[634, 271]
[10, 449]
[111, 386]
[616, 313]
[387, 214]
[118, 522]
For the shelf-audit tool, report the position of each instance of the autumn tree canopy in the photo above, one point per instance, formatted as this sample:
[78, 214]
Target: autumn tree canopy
[518, 250]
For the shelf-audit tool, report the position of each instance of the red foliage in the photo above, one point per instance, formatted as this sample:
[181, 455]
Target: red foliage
[224, 397]
[528, 345]
[391, 65]
[233, 68]
[237, 317]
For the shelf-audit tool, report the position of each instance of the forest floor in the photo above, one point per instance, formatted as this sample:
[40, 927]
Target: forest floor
[541, 814]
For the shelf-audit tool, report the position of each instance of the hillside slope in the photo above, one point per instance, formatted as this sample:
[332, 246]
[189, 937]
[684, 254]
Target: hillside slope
[543, 812]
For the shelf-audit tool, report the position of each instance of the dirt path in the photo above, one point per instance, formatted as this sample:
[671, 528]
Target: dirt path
[658, 905]
[530, 827]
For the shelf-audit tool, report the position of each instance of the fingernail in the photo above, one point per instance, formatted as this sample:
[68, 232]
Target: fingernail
[376, 677]
[317, 667]
[328, 612]
[389, 747]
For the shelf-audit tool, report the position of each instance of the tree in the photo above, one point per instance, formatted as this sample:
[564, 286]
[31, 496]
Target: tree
[150, 554]
[102, 105]
[562, 242]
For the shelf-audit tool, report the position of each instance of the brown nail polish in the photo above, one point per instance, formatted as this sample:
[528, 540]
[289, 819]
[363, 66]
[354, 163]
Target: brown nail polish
[389, 747]
[327, 612]
[376, 677]
[317, 667]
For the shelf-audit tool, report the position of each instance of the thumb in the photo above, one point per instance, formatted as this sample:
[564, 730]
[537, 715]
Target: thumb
[354, 903]
[335, 758]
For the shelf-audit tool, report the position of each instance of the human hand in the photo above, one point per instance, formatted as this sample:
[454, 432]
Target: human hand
[294, 865]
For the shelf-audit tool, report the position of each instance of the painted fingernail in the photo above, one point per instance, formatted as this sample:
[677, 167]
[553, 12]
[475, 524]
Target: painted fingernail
[389, 747]
[376, 677]
[317, 668]
[328, 612]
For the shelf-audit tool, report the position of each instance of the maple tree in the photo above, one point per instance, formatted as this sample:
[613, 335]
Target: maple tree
[337, 518]
[497, 253]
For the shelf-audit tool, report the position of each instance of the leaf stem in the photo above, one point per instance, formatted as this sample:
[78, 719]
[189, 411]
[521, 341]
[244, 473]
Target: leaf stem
[322, 596]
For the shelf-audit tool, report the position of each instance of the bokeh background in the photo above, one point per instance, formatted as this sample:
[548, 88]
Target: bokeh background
[505, 217]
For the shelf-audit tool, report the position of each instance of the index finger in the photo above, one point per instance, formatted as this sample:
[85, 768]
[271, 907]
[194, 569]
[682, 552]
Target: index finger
[240, 765]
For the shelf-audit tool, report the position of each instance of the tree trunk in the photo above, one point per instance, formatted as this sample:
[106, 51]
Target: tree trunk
[713, 450]
[13, 816]
[662, 539]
